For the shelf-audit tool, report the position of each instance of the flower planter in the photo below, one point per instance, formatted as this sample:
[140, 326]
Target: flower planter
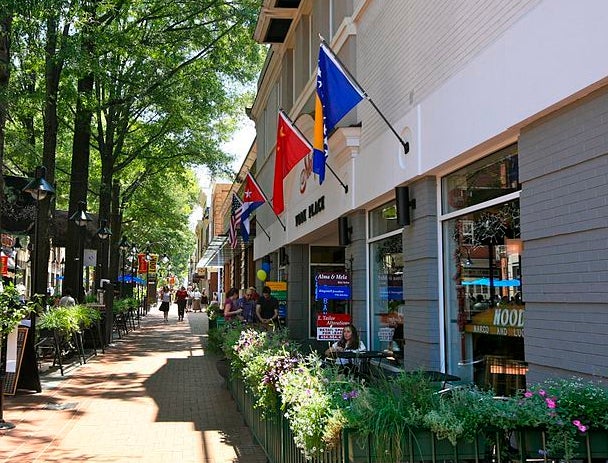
[223, 367]
[420, 445]
[212, 323]
[598, 444]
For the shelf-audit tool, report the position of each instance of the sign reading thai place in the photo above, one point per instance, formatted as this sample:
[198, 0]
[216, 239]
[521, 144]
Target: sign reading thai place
[500, 321]
[313, 209]
[330, 326]
[332, 286]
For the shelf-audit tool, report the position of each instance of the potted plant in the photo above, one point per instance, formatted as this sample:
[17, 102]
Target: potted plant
[13, 310]
[214, 313]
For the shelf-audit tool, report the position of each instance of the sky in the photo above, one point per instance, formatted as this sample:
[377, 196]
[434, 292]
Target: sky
[238, 147]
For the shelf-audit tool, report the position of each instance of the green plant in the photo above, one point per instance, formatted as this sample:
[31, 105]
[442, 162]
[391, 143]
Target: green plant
[124, 305]
[389, 407]
[90, 298]
[61, 319]
[85, 316]
[566, 409]
[12, 310]
[461, 414]
[213, 310]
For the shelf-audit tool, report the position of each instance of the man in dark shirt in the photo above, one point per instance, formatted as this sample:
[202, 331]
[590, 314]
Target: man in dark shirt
[267, 308]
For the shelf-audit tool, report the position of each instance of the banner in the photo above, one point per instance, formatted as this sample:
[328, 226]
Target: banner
[330, 326]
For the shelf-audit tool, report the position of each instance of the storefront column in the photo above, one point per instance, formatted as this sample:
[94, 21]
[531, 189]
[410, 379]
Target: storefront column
[297, 290]
[420, 243]
[356, 262]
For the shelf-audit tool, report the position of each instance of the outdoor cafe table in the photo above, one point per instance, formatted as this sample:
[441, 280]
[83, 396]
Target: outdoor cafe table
[360, 361]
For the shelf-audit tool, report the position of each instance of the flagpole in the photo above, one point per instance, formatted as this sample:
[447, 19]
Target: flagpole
[338, 179]
[258, 223]
[268, 202]
[406, 145]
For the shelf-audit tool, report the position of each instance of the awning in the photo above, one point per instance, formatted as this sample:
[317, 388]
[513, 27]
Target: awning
[495, 283]
[217, 253]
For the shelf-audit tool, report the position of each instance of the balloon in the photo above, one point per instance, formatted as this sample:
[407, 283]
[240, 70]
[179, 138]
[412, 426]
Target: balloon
[261, 275]
[266, 267]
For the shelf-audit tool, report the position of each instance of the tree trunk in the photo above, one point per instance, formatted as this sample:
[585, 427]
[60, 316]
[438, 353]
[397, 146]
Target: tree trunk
[81, 151]
[6, 20]
[79, 181]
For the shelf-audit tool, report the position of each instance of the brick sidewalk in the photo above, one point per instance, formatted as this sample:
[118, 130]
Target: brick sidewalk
[155, 396]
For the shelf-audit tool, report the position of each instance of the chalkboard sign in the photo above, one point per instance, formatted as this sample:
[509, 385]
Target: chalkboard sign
[10, 379]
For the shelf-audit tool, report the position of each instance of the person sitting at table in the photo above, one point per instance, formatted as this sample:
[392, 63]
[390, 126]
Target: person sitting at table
[349, 342]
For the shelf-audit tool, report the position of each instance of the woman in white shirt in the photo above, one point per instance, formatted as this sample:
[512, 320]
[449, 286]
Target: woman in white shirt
[349, 342]
[165, 302]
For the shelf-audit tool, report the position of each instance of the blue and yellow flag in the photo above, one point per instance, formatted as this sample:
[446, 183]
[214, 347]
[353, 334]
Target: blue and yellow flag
[337, 94]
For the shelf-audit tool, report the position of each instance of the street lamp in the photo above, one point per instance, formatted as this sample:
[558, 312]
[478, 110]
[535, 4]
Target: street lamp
[123, 245]
[40, 189]
[16, 248]
[80, 218]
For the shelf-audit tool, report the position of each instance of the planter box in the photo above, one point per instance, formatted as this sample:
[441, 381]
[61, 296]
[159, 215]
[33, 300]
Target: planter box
[419, 445]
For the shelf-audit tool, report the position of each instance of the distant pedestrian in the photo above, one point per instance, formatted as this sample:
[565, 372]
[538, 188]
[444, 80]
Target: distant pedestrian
[165, 298]
[204, 299]
[180, 298]
[196, 300]
[67, 300]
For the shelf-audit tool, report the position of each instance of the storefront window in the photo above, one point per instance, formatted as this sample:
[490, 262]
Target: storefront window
[484, 301]
[386, 280]
[325, 259]
[491, 177]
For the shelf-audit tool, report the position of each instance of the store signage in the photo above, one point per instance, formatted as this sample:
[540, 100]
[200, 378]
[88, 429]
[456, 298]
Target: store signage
[313, 209]
[332, 286]
[330, 326]
[278, 289]
[498, 321]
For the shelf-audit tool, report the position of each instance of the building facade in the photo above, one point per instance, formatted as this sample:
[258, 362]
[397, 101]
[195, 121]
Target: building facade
[481, 251]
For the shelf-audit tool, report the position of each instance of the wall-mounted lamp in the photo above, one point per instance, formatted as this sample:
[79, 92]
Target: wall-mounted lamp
[344, 231]
[404, 204]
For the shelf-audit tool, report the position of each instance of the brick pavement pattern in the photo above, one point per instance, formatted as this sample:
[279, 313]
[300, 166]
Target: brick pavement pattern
[155, 396]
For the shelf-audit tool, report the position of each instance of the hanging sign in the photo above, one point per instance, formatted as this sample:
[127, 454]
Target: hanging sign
[330, 326]
[4, 264]
[332, 286]
[278, 289]
[499, 321]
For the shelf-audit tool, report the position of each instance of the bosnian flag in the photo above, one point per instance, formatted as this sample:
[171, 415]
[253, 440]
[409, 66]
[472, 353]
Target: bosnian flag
[252, 199]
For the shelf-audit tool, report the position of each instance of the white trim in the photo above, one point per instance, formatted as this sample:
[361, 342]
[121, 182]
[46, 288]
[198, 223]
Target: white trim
[468, 210]
[440, 287]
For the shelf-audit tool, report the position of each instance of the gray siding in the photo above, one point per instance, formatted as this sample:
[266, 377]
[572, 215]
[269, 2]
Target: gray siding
[564, 221]
[421, 329]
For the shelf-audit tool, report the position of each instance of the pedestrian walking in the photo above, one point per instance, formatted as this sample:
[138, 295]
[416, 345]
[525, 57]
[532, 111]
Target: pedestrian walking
[196, 300]
[180, 299]
[165, 298]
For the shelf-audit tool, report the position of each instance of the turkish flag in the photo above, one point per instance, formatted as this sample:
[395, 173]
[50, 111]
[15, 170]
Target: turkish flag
[291, 148]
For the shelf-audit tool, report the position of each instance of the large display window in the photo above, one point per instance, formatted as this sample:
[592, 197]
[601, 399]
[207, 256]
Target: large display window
[386, 279]
[484, 302]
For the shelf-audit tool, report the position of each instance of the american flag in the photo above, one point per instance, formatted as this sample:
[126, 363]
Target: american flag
[235, 220]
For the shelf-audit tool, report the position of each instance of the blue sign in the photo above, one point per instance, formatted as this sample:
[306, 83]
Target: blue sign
[332, 292]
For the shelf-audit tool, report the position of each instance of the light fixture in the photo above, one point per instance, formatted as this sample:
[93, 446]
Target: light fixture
[103, 232]
[81, 217]
[124, 244]
[39, 188]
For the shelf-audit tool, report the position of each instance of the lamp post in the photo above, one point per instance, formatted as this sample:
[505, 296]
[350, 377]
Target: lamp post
[40, 189]
[80, 218]
[123, 245]
[148, 260]
[103, 233]
[16, 248]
